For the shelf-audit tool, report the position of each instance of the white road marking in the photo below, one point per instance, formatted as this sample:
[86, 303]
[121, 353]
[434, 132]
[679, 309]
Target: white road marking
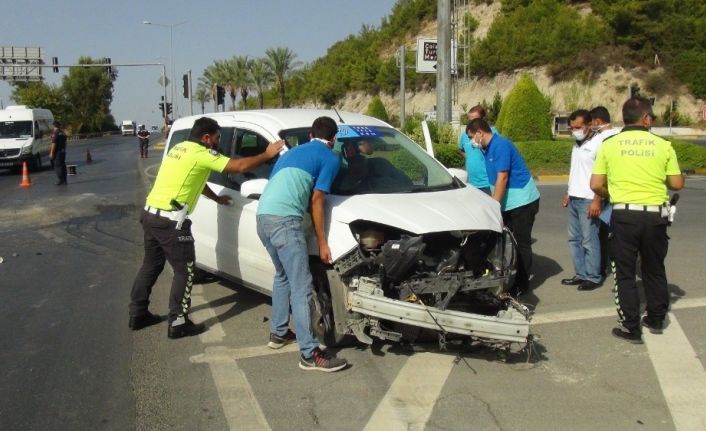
[51, 236]
[241, 409]
[215, 332]
[680, 374]
[412, 396]
[593, 313]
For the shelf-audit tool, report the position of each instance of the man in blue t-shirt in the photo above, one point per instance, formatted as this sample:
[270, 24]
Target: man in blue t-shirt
[475, 161]
[300, 179]
[512, 185]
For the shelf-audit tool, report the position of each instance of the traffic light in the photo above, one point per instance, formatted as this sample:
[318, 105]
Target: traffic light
[634, 90]
[220, 95]
[169, 108]
[108, 69]
[55, 63]
[186, 85]
[161, 108]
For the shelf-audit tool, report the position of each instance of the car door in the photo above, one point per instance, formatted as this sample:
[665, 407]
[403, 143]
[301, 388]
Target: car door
[248, 260]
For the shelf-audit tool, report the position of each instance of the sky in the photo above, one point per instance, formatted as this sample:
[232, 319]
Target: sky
[211, 30]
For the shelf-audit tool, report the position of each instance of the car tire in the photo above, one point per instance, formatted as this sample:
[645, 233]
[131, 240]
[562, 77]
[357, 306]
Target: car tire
[36, 163]
[322, 320]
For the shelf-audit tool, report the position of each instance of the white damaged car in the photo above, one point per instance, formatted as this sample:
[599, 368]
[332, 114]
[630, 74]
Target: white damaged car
[413, 247]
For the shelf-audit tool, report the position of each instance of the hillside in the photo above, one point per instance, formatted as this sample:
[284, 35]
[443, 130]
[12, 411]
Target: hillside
[595, 74]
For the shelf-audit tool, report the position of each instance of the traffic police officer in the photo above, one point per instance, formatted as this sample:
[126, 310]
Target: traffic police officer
[634, 168]
[167, 233]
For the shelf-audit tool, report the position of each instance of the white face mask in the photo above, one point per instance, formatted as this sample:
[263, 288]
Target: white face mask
[579, 135]
[476, 144]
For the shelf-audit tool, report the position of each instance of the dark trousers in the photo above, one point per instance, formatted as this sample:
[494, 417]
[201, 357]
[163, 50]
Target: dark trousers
[60, 165]
[144, 143]
[163, 242]
[643, 233]
[520, 221]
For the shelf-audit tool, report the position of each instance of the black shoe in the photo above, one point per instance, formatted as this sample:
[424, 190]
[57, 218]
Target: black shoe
[588, 285]
[277, 341]
[634, 337]
[186, 329]
[654, 325]
[143, 321]
[322, 361]
[573, 281]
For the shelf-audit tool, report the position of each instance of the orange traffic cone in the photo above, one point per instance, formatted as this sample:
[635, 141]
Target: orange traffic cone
[26, 182]
[89, 159]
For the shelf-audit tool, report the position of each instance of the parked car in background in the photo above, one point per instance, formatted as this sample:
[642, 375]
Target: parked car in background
[25, 135]
[413, 247]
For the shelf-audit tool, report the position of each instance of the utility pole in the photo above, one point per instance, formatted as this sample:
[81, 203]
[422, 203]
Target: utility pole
[402, 85]
[443, 64]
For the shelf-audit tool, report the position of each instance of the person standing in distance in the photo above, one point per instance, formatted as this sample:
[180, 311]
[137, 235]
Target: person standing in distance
[475, 161]
[57, 153]
[512, 185]
[300, 179]
[143, 137]
[167, 233]
[583, 205]
[635, 168]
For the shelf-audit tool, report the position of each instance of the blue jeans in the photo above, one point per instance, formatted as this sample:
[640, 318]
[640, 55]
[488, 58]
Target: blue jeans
[284, 239]
[584, 242]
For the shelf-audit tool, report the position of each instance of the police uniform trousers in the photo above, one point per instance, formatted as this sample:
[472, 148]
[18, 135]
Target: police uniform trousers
[644, 233]
[60, 165]
[163, 242]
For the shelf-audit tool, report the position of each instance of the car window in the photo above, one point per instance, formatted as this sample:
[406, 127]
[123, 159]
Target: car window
[177, 137]
[383, 160]
[248, 144]
[225, 146]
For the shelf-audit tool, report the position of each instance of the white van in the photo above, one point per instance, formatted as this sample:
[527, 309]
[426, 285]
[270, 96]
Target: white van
[25, 135]
[412, 246]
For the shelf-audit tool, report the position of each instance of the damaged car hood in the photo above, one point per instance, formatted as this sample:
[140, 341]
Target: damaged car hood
[438, 211]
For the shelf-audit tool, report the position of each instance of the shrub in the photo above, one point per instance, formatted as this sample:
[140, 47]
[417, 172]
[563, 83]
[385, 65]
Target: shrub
[690, 156]
[449, 156]
[526, 113]
[377, 109]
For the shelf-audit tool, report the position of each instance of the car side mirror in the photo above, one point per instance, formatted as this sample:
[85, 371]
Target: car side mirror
[252, 189]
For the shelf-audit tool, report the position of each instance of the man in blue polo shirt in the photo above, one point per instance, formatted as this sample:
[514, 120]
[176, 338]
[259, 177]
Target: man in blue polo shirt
[300, 179]
[512, 185]
[475, 161]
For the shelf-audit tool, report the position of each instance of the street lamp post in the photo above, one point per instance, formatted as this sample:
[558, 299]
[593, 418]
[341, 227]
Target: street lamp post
[171, 54]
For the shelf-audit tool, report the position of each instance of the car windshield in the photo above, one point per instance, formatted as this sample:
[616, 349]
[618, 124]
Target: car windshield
[383, 160]
[380, 160]
[15, 129]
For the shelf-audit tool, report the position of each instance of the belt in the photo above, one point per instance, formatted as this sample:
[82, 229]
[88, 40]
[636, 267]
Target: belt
[159, 212]
[638, 207]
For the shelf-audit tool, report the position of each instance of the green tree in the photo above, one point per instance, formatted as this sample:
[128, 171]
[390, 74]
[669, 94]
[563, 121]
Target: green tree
[526, 112]
[89, 92]
[41, 95]
[202, 95]
[281, 61]
[261, 78]
[377, 109]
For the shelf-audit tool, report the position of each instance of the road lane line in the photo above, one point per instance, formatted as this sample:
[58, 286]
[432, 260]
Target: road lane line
[215, 332]
[240, 407]
[592, 313]
[680, 374]
[411, 398]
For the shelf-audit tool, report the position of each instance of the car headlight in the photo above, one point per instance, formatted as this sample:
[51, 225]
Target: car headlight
[27, 149]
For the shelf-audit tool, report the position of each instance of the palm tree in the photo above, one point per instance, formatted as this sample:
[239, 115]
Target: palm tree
[281, 62]
[240, 67]
[202, 94]
[261, 77]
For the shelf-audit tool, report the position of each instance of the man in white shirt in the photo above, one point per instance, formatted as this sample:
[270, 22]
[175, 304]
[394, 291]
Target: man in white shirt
[583, 205]
[603, 129]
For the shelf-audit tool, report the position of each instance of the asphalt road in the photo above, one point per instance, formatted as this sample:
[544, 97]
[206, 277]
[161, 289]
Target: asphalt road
[69, 361]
